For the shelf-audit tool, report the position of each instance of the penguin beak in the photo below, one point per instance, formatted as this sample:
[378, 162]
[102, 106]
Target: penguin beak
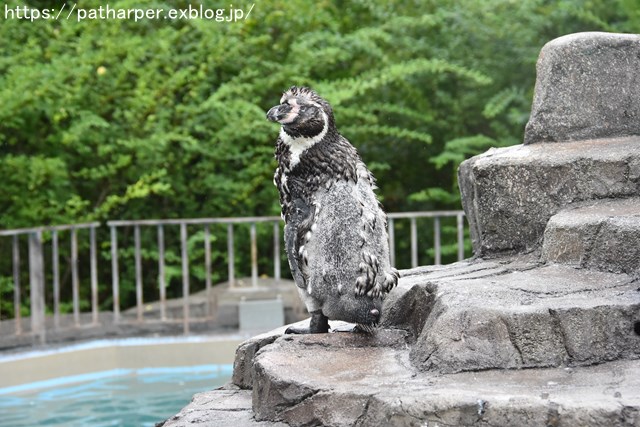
[272, 114]
[278, 113]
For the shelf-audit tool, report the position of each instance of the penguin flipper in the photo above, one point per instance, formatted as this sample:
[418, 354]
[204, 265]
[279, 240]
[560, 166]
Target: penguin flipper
[296, 236]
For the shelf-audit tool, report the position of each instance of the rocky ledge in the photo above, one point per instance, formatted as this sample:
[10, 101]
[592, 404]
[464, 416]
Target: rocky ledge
[450, 351]
[541, 327]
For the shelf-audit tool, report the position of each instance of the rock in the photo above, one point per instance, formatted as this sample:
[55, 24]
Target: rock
[601, 235]
[328, 380]
[243, 362]
[519, 315]
[408, 308]
[223, 407]
[587, 87]
[395, 395]
[509, 194]
[542, 326]
[274, 399]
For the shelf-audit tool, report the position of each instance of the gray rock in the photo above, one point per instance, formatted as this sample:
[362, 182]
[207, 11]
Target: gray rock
[574, 331]
[509, 194]
[408, 308]
[587, 87]
[276, 399]
[601, 235]
[324, 380]
[523, 316]
[544, 331]
[226, 406]
[243, 362]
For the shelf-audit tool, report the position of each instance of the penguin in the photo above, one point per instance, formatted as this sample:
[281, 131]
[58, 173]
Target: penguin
[335, 228]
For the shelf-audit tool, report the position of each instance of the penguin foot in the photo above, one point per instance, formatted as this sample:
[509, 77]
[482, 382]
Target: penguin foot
[355, 329]
[319, 324]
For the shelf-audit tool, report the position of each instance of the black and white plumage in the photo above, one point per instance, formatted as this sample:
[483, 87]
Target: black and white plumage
[335, 229]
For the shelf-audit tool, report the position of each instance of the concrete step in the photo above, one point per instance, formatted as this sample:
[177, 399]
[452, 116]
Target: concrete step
[601, 234]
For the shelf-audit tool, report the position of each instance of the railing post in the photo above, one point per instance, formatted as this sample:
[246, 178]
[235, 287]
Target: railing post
[436, 243]
[161, 274]
[254, 256]
[414, 243]
[36, 285]
[185, 276]
[75, 281]
[94, 274]
[16, 284]
[138, 261]
[231, 258]
[392, 242]
[207, 268]
[55, 262]
[277, 270]
[460, 225]
[115, 276]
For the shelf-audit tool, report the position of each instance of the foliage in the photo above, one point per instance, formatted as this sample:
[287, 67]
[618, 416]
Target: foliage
[116, 119]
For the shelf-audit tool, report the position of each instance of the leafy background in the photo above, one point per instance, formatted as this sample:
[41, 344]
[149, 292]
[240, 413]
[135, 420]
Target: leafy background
[115, 119]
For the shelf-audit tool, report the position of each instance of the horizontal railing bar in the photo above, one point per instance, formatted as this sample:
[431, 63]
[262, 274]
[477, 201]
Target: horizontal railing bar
[17, 231]
[204, 221]
[192, 221]
[250, 219]
[426, 214]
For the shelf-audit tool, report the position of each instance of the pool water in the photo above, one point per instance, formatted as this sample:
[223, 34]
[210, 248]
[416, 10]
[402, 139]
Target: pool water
[119, 397]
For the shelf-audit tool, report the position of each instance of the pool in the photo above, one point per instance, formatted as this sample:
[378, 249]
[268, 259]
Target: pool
[123, 397]
[102, 383]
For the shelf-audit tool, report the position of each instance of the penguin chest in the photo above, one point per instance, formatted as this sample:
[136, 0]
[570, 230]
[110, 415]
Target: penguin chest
[334, 246]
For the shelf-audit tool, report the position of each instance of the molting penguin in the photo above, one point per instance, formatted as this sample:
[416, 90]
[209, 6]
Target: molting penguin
[335, 229]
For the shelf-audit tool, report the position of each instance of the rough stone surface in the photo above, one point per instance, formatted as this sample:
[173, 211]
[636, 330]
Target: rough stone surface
[587, 86]
[346, 380]
[226, 406]
[243, 363]
[541, 327]
[327, 381]
[519, 315]
[509, 194]
[602, 235]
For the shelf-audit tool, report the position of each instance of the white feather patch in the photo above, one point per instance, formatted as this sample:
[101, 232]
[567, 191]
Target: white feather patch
[299, 145]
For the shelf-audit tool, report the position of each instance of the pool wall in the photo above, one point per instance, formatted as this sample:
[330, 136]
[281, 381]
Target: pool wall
[110, 355]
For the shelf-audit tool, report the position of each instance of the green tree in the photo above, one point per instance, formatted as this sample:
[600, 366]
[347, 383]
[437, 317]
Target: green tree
[116, 119]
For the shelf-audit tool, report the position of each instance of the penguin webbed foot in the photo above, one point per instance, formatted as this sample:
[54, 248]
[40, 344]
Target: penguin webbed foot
[354, 329]
[319, 324]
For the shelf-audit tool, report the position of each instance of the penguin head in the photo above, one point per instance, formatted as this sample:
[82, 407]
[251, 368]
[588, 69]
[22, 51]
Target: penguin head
[302, 113]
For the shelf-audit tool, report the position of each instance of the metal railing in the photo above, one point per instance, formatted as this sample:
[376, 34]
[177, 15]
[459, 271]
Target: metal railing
[36, 269]
[37, 276]
[183, 223]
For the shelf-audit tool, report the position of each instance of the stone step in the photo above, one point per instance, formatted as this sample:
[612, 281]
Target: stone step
[514, 316]
[357, 380]
[509, 194]
[437, 358]
[328, 380]
[223, 407]
[602, 235]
